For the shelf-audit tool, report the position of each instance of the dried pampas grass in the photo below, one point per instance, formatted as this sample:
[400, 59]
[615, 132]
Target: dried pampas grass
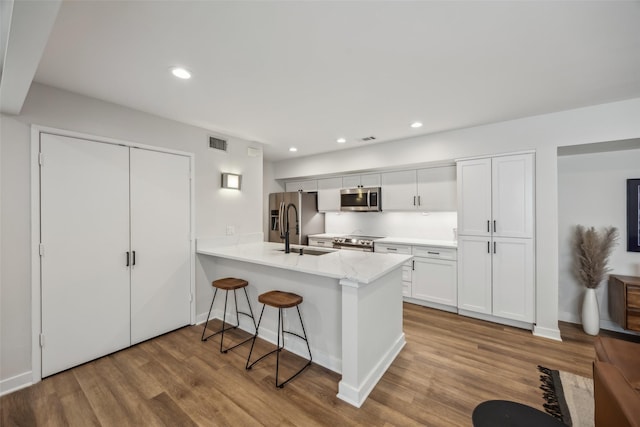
[592, 250]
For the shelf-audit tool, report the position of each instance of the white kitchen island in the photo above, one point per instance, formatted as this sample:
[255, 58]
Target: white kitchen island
[352, 306]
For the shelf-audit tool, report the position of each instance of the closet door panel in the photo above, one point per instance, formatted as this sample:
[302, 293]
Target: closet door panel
[160, 237]
[85, 232]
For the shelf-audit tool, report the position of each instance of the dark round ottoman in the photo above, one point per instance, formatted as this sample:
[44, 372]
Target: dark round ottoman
[502, 413]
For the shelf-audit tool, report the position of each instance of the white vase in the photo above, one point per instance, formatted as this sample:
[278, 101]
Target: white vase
[590, 312]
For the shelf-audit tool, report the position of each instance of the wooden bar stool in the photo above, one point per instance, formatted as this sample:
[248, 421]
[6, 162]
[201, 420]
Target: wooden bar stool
[280, 300]
[229, 284]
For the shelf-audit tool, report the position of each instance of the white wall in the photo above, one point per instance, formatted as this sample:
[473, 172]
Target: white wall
[544, 133]
[432, 225]
[215, 208]
[592, 191]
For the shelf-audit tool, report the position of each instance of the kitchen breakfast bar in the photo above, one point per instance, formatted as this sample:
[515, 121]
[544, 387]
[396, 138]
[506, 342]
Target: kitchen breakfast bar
[352, 306]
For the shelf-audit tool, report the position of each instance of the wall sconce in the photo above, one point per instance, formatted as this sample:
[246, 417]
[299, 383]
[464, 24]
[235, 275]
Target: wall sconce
[231, 180]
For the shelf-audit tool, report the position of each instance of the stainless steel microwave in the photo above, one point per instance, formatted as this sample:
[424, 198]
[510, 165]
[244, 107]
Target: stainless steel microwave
[360, 199]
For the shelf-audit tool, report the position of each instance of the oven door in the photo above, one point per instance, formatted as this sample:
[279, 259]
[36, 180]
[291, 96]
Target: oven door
[360, 199]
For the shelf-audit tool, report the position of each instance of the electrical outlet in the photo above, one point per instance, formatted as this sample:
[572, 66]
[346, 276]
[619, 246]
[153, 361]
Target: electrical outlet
[231, 230]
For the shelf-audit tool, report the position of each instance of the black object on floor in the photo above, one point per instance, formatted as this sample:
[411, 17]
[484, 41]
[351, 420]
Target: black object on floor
[503, 413]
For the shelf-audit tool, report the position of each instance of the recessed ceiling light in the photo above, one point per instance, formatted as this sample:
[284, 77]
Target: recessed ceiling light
[293, 149]
[341, 140]
[416, 125]
[181, 73]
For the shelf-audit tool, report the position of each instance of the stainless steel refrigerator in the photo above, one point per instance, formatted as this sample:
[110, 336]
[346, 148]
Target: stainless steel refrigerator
[309, 219]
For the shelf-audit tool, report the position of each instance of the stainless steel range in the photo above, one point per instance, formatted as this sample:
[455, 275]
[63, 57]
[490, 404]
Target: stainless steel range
[355, 243]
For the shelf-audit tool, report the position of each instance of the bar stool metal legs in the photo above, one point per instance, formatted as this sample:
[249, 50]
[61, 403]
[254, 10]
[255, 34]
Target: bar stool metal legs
[227, 285]
[280, 304]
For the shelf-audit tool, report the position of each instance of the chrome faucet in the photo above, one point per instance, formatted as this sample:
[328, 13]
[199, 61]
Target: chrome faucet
[287, 248]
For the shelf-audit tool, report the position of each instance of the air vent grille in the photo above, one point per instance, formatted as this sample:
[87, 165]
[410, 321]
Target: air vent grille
[217, 143]
[368, 138]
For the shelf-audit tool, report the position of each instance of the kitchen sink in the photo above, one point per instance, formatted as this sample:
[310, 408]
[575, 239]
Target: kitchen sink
[306, 251]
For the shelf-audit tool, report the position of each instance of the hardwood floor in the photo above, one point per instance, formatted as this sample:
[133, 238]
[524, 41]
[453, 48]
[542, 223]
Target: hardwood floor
[449, 365]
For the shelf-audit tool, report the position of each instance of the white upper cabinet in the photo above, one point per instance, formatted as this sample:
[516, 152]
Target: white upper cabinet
[495, 196]
[355, 181]
[329, 194]
[429, 189]
[399, 191]
[304, 186]
[437, 189]
[474, 197]
[512, 179]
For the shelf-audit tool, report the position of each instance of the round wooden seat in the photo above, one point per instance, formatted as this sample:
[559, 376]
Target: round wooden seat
[279, 299]
[229, 283]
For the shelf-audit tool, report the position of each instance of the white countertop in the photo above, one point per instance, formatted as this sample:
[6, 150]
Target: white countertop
[326, 235]
[420, 242]
[362, 267]
[400, 240]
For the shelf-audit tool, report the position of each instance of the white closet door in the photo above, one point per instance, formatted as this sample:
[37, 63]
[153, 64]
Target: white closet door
[160, 237]
[85, 232]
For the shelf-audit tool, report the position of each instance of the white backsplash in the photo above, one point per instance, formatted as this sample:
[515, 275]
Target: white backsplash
[432, 225]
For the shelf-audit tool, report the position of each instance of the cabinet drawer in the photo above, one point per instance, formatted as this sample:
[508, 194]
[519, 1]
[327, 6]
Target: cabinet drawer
[406, 272]
[318, 242]
[633, 320]
[392, 249]
[406, 289]
[633, 297]
[431, 252]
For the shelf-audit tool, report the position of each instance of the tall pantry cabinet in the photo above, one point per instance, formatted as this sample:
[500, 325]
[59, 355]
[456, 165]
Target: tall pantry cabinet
[496, 236]
[115, 233]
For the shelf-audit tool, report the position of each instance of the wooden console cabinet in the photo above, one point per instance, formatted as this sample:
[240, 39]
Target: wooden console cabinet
[624, 301]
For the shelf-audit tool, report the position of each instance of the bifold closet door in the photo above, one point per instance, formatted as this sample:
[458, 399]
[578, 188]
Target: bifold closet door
[85, 235]
[160, 239]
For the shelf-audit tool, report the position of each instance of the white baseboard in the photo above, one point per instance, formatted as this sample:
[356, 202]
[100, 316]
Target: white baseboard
[16, 383]
[549, 333]
[357, 395]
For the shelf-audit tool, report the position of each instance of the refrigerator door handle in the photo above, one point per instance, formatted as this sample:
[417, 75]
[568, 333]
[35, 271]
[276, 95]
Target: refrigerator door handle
[282, 222]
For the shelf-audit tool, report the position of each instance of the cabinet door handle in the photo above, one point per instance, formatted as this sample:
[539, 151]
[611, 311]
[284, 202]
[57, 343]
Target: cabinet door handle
[413, 264]
[419, 202]
[488, 226]
[494, 225]
[433, 253]
[494, 247]
[414, 200]
[488, 247]
[127, 258]
[133, 257]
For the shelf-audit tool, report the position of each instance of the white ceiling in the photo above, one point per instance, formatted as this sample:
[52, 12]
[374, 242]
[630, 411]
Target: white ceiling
[305, 73]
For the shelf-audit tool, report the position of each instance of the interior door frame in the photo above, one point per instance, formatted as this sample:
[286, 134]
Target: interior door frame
[36, 277]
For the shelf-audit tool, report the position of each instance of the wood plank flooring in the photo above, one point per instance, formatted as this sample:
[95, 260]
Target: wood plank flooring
[449, 365]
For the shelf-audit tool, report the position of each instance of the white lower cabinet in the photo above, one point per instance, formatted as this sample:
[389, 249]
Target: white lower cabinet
[115, 238]
[407, 267]
[435, 280]
[513, 279]
[496, 277]
[430, 276]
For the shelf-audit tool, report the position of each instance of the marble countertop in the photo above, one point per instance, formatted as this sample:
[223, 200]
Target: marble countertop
[420, 242]
[326, 235]
[362, 267]
[400, 240]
